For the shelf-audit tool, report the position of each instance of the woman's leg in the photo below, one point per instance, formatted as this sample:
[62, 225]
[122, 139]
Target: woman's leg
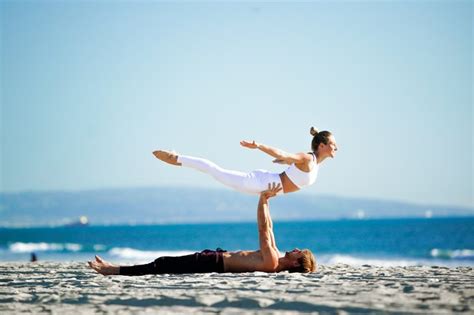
[234, 179]
[252, 183]
[165, 156]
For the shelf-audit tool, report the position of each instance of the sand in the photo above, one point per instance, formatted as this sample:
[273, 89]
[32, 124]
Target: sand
[73, 288]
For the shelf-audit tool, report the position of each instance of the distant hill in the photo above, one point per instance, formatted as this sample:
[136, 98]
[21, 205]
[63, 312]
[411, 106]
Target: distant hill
[186, 205]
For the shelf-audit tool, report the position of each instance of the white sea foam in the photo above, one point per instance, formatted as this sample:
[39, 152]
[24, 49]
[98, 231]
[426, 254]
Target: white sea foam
[99, 247]
[72, 251]
[72, 247]
[135, 255]
[359, 261]
[452, 254]
[20, 247]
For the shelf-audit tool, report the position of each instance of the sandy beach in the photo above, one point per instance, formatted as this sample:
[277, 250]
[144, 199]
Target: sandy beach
[73, 288]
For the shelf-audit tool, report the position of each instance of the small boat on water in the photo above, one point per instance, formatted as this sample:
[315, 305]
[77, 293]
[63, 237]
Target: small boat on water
[83, 221]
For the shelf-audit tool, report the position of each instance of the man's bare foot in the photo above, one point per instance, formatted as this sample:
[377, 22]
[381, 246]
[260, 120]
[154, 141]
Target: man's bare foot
[166, 156]
[103, 267]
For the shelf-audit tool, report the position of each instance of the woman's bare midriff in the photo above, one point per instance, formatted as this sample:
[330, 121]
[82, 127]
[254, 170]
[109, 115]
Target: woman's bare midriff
[288, 185]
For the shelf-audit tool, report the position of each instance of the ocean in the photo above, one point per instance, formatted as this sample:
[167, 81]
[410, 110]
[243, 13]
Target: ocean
[384, 242]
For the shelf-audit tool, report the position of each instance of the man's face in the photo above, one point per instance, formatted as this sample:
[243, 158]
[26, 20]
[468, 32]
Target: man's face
[294, 255]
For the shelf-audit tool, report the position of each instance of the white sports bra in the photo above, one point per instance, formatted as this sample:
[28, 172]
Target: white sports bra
[300, 178]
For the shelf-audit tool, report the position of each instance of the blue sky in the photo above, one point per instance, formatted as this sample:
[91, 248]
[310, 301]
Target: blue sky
[90, 89]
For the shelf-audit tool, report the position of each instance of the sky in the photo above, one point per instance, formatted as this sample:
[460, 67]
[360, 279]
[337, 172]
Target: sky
[90, 88]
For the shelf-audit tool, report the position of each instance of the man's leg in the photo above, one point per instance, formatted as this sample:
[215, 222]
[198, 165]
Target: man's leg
[203, 262]
[103, 267]
[108, 269]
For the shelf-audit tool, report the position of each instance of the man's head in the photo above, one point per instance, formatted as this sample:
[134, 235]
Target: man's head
[300, 261]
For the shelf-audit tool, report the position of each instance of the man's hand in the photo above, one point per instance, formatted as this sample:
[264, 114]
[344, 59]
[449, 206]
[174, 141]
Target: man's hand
[272, 191]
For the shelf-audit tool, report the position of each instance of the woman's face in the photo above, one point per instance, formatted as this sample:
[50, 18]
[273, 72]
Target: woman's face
[330, 148]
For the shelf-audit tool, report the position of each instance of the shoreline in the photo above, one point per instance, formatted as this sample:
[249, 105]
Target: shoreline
[352, 219]
[45, 287]
[126, 255]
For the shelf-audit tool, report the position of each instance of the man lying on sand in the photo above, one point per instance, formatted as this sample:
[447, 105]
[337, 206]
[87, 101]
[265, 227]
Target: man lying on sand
[267, 259]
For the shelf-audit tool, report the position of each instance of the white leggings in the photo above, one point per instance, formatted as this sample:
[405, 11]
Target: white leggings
[252, 183]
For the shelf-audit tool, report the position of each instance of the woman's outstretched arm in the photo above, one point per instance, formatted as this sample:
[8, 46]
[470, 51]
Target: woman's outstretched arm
[279, 155]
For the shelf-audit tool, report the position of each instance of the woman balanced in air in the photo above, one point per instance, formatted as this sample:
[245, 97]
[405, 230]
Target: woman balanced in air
[302, 171]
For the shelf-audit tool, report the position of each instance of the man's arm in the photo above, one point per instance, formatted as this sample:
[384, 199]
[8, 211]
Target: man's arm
[265, 229]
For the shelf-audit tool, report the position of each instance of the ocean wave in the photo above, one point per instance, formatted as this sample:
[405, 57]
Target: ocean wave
[19, 247]
[440, 257]
[136, 254]
[126, 254]
[359, 261]
[99, 247]
[452, 254]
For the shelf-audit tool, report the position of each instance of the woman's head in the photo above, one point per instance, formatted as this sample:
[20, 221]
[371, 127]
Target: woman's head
[323, 143]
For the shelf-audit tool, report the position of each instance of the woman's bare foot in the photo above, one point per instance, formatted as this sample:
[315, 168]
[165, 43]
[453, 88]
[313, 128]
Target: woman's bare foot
[103, 267]
[166, 156]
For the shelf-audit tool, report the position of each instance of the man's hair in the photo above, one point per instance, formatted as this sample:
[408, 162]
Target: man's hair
[307, 263]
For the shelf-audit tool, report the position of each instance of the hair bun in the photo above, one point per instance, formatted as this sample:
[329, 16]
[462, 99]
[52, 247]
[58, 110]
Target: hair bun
[313, 131]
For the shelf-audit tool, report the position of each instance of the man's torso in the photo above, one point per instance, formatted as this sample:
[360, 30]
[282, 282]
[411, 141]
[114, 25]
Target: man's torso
[243, 261]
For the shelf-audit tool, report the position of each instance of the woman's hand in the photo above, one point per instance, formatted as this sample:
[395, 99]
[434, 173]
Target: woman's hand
[250, 145]
[280, 161]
